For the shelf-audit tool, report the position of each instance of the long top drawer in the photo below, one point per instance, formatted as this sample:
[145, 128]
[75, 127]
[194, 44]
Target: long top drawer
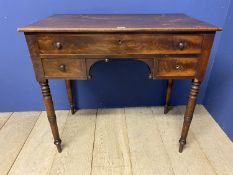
[114, 44]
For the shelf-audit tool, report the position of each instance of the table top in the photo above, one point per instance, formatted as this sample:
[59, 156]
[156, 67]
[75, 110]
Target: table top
[119, 23]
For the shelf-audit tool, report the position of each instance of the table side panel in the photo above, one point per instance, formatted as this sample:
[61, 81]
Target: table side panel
[35, 56]
[204, 57]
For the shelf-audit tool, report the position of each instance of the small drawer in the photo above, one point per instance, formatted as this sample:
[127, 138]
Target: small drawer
[64, 68]
[175, 67]
[115, 44]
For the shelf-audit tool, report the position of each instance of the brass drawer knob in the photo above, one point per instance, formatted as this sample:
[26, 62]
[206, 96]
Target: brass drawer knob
[58, 45]
[181, 45]
[62, 68]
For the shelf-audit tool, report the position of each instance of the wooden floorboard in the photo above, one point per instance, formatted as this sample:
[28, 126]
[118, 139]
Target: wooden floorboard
[4, 116]
[13, 136]
[213, 141]
[78, 138]
[111, 149]
[148, 154]
[192, 161]
[121, 141]
[38, 152]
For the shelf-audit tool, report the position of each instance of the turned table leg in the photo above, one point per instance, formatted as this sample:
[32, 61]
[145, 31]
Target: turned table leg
[168, 95]
[70, 96]
[189, 112]
[48, 102]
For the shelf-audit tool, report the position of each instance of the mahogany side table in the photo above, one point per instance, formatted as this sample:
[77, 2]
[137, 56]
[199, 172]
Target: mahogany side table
[173, 46]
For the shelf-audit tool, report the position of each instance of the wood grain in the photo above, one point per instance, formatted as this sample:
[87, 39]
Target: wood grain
[168, 95]
[37, 155]
[214, 142]
[147, 151]
[175, 67]
[13, 136]
[4, 116]
[117, 44]
[188, 115]
[111, 154]
[152, 143]
[73, 68]
[51, 115]
[119, 23]
[61, 47]
[216, 146]
[76, 157]
[192, 161]
[69, 91]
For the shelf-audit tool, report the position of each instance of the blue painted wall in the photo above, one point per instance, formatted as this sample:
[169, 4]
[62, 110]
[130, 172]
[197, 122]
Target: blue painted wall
[219, 96]
[116, 84]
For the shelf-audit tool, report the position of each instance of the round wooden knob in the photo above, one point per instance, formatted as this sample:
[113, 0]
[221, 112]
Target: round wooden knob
[120, 42]
[181, 45]
[62, 67]
[178, 67]
[58, 45]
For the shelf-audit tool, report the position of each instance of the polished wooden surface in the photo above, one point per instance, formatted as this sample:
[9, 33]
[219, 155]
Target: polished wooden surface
[48, 102]
[167, 56]
[175, 67]
[189, 112]
[120, 23]
[168, 95]
[69, 67]
[70, 95]
[119, 44]
[173, 46]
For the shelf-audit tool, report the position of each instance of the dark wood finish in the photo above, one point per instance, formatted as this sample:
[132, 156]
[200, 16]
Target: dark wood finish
[70, 96]
[119, 44]
[34, 53]
[60, 68]
[120, 23]
[175, 67]
[204, 57]
[173, 46]
[48, 102]
[189, 112]
[168, 95]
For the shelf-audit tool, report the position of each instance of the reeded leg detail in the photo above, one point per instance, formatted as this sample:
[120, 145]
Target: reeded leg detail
[189, 112]
[70, 96]
[168, 95]
[48, 102]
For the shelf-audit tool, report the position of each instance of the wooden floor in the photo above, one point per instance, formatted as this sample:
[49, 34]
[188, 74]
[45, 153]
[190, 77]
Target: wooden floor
[138, 141]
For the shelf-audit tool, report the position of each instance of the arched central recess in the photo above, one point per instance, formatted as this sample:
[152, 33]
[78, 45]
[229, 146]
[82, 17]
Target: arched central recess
[148, 61]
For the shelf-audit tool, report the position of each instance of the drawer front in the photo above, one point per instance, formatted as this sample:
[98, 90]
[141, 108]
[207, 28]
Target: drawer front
[175, 67]
[61, 68]
[113, 44]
